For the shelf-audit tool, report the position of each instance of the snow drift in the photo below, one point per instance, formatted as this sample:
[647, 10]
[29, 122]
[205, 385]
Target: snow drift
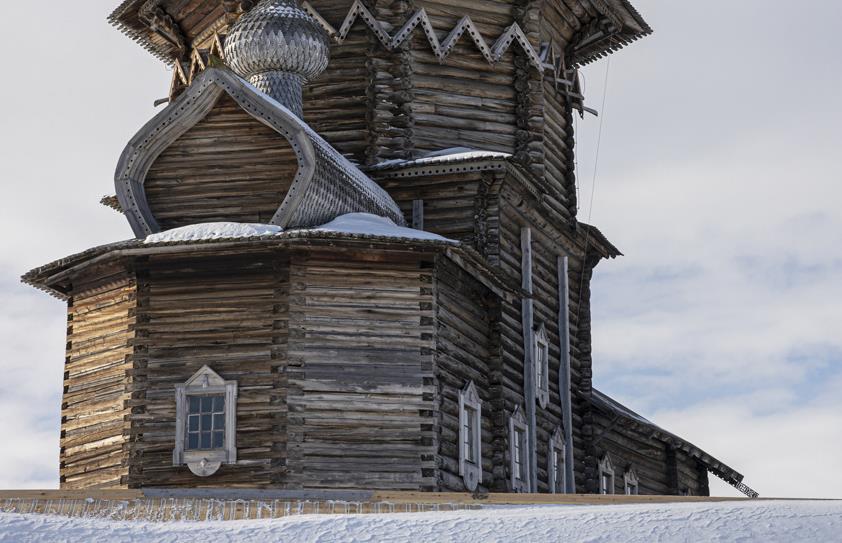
[698, 522]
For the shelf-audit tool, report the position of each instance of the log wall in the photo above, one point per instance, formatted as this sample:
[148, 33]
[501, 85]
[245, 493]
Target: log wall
[464, 102]
[229, 313]
[467, 350]
[546, 246]
[97, 382]
[360, 372]
[336, 104]
[660, 469]
[228, 167]
[459, 205]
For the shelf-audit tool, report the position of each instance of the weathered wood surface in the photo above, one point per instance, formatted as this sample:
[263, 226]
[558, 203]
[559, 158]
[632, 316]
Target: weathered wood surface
[229, 313]
[660, 470]
[466, 350]
[360, 372]
[97, 381]
[228, 167]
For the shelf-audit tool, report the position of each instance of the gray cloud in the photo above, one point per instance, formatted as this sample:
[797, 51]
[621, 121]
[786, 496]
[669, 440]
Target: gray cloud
[719, 179]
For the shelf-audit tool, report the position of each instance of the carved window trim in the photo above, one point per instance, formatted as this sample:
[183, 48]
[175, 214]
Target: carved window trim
[606, 475]
[205, 462]
[631, 482]
[541, 356]
[556, 467]
[519, 451]
[470, 436]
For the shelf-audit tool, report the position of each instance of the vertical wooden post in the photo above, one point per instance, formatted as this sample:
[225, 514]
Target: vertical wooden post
[564, 370]
[418, 214]
[528, 361]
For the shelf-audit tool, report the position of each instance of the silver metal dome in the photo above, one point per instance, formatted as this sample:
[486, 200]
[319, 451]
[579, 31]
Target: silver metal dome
[277, 46]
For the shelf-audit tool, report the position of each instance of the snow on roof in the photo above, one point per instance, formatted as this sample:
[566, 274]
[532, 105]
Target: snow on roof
[701, 522]
[445, 156]
[371, 225]
[360, 224]
[214, 230]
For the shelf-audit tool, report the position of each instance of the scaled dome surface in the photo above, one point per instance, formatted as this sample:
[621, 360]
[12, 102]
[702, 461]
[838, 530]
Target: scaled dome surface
[277, 36]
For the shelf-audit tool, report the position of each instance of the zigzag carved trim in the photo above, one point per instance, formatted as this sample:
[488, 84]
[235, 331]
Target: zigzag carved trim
[441, 49]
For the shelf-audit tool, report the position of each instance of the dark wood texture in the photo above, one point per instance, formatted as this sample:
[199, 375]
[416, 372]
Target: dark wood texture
[228, 167]
[466, 350]
[229, 313]
[360, 372]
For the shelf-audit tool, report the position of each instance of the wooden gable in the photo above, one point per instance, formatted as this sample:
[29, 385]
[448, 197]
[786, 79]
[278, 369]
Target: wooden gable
[228, 167]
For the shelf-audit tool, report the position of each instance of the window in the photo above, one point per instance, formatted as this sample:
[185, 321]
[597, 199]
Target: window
[631, 482]
[470, 449]
[606, 475]
[541, 356]
[555, 464]
[519, 451]
[206, 419]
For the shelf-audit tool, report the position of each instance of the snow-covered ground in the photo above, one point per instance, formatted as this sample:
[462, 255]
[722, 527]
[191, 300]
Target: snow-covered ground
[761, 521]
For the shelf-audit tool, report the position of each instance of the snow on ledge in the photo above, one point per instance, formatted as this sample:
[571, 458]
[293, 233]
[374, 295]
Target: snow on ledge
[214, 230]
[372, 225]
[444, 156]
[352, 223]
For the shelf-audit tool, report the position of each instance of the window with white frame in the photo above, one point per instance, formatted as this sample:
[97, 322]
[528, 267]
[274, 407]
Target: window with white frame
[555, 463]
[470, 445]
[541, 356]
[606, 475]
[206, 421]
[631, 483]
[519, 451]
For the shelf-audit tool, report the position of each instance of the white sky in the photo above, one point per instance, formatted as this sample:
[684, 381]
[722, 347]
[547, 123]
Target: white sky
[718, 177]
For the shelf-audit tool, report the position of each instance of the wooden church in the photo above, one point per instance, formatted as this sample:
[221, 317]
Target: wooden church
[357, 261]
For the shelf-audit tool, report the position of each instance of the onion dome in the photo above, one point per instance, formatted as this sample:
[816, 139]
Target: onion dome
[277, 47]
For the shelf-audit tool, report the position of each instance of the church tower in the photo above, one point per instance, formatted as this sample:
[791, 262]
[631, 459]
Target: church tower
[357, 261]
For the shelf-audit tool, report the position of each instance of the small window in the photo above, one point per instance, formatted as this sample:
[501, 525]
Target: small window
[631, 483]
[206, 408]
[541, 356]
[606, 476]
[556, 468]
[519, 451]
[470, 449]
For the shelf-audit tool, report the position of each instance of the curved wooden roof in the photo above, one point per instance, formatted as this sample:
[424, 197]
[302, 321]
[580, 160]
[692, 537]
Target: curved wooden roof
[325, 186]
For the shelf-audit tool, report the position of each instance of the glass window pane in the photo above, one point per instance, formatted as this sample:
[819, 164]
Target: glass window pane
[219, 422]
[206, 423]
[206, 440]
[192, 441]
[218, 404]
[193, 423]
[217, 439]
[193, 402]
[207, 404]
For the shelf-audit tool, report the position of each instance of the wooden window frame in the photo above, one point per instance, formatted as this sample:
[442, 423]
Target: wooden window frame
[606, 468]
[541, 356]
[517, 425]
[205, 462]
[470, 405]
[631, 482]
[556, 444]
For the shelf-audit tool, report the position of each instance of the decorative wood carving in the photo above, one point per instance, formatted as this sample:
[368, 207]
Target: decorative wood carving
[153, 14]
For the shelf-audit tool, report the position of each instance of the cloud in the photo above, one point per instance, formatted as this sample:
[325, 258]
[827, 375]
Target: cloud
[722, 188]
